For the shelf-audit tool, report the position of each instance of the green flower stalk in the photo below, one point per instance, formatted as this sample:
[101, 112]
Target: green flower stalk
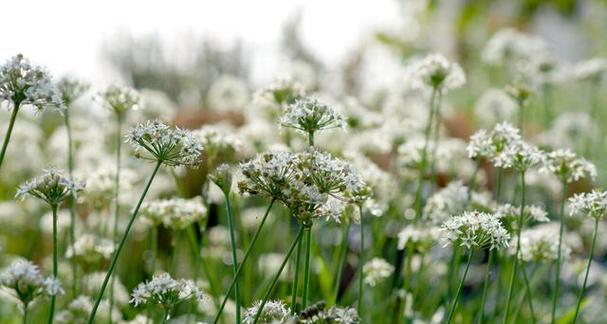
[153, 141]
[53, 188]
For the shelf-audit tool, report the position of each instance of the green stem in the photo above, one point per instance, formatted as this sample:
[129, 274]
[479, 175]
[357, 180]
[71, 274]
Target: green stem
[24, 314]
[361, 260]
[116, 202]
[294, 289]
[51, 313]
[557, 278]
[486, 284]
[529, 295]
[234, 255]
[166, 315]
[72, 204]
[422, 167]
[459, 289]
[244, 259]
[518, 248]
[125, 235]
[306, 283]
[277, 275]
[498, 186]
[9, 131]
[311, 138]
[581, 293]
[342, 259]
[437, 122]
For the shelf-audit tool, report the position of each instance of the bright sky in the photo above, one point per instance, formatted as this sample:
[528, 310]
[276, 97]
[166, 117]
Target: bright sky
[66, 36]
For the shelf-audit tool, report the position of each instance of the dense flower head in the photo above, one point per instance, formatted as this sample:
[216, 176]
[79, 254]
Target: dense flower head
[519, 155]
[454, 199]
[488, 144]
[494, 106]
[24, 280]
[174, 213]
[310, 115]
[436, 72]
[474, 230]
[591, 204]
[282, 91]
[592, 69]
[222, 177]
[120, 99]
[165, 291]
[162, 143]
[217, 141]
[228, 92]
[421, 237]
[52, 187]
[79, 309]
[317, 314]
[70, 89]
[567, 166]
[509, 214]
[23, 83]
[509, 46]
[540, 244]
[269, 173]
[90, 250]
[376, 270]
[274, 311]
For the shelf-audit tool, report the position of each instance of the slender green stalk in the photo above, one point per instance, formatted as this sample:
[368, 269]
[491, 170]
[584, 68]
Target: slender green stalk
[342, 259]
[437, 122]
[557, 278]
[306, 283]
[234, 255]
[154, 251]
[116, 253]
[547, 102]
[51, 313]
[311, 138]
[244, 260]
[424, 157]
[459, 290]
[9, 131]
[525, 295]
[24, 314]
[529, 294]
[498, 186]
[518, 248]
[116, 200]
[361, 260]
[276, 276]
[72, 204]
[581, 293]
[486, 284]
[295, 288]
[166, 315]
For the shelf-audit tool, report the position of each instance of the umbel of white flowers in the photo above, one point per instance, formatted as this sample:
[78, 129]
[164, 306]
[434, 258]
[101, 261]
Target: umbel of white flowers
[24, 280]
[166, 292]
[174, 213]
[475, 230]
[120, 99]
[52, 187]
[70, 89]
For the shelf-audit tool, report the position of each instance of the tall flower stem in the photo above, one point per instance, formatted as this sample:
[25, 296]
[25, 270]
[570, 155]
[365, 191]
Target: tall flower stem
[24, 314]
[340, 264]
[70, 168]
[529, 294]
[435, 138]
[295, 288]
[547, 102]
[277, 275]
[9, 131]
[51, 313]
[125, 235]
[361, 260]
[244, 259]
[459, 290]
[116, 200]
[306, 283]
[424, 157]
[234, 255]
[581, 293]
[557, 278]
[518, 248]
[166, 315]
[485, 287]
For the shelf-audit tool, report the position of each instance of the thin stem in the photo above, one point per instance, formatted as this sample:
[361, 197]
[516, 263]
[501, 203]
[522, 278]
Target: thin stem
[342, 259]
[294, 289]
[153, 250]
[557, 278]
[55, 262]
[116, 200]
[234, 255]
[486, 284]
[498, 186]
[306, 283]
[581, 293]
[459, 289]
[125, 235]
[166, 315]
[72, 204]
[529, 295]
[9, 131]
[24, 314]
[277, 275]
[437, 122]
[361, 260]
[311, 138]
[518, 248]
[422, 167]
[244, 259]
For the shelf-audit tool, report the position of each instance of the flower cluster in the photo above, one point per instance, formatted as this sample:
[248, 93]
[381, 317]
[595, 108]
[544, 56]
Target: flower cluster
[567, 166]
[23, 83]
[282, 91]
[120, 99]
[171, 146]
[508, 214]
[90, 250]
[421, 237]
[52, 187]
[80, 308]
[318, 314]
[454, 199]
[591, 204]
[592, 69]
[474, 230]
[70, 89]
[509, 46]
[165, 291]
[274, 311]
[540, 244]
[519, 155]
[489, 144]
[174, 213]
[436, 72]
[217, 141]
[24, 280]
[376, 270]
[310, 116]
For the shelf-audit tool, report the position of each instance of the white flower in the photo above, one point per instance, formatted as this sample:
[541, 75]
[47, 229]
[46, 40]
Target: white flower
[592, 69]
[310, 115]
[23, 83]
[174, 213]
[453, 200]
[70, 89]
[171, 146]
[519, 155]
[475, 230]
[25, 282]
[120, 99]
[376, 270]
[540, 244]
[228, 93]
[218, 141]
[495, 106]
[510, 47]
[52, 187]
[567, 166]
[436, 72]
[274, 311]
[591, 204]
[487, 145]
[281, 91]
[509, 214]
[90, 249]
[422, 237]
[165, 291]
